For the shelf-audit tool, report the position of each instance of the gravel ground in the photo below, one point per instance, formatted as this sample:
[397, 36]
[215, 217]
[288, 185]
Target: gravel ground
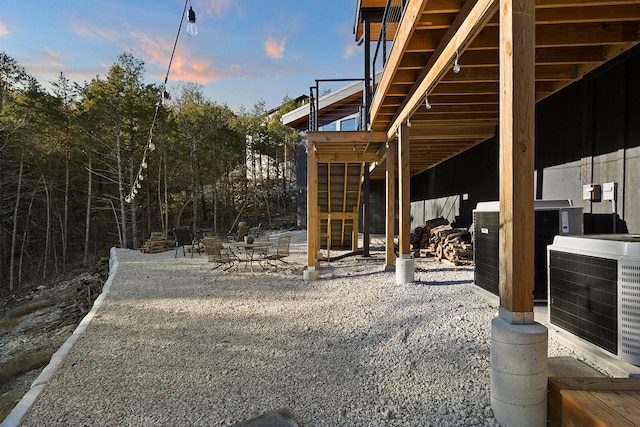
[175, 343]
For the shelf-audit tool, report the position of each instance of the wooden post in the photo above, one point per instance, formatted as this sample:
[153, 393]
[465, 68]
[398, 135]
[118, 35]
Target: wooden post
[404, 178]
[517, 147]
[366, 213]
[313, 223]
[390, 255]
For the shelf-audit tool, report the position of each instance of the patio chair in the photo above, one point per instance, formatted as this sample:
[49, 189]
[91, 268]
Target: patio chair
[182, 237]
[216, 253]
[281, 249]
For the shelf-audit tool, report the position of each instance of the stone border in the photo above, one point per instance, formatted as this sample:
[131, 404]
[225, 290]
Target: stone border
[19, 411]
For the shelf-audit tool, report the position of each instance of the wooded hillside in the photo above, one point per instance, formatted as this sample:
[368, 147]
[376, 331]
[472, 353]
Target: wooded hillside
[71, 157]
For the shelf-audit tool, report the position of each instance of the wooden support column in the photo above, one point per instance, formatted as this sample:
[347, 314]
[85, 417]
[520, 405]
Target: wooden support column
[517, 148]
[313, 221]
[404, 199]
[390, 255]
[366, 213]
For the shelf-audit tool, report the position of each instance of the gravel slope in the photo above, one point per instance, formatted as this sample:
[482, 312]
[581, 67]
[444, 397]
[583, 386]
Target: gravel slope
[175, 343]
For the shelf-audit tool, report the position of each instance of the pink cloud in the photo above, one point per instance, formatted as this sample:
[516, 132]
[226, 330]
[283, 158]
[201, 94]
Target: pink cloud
[218, 7]
[274, 48]
[53, 58]
[3, 30]
[351, 50]
[89, 31]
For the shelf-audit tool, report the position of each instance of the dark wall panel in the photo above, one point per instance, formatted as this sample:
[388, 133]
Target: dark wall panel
[589, 132]
[473, 172]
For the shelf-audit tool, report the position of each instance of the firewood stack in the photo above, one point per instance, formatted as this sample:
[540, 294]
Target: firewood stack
[439, 237]
[157, 243]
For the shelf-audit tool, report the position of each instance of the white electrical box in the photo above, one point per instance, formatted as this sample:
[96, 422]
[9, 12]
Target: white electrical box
[609, 190]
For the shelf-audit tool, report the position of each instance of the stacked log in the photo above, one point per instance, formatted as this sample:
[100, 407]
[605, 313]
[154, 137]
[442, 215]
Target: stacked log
[446, 242]
[157, 243]
[421, 237]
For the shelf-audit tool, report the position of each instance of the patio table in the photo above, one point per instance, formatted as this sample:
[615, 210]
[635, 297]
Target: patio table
[245, 252]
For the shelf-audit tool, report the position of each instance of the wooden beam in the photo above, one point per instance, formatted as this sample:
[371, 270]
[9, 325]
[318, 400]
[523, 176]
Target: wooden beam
[517, 147]
[345, 137]
[461, 32]
[390, 177]
[404, 181]
[344, 157]
[407, 26]
[313, 223]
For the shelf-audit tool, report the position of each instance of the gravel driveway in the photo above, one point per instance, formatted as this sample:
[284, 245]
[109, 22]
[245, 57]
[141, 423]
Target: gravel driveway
[176, 343]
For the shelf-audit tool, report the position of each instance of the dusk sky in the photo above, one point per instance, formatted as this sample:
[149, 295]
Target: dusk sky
[245, 50]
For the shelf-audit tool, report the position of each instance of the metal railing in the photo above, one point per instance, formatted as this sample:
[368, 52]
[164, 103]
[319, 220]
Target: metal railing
[340, 101]
[320, 94]
[390, 23]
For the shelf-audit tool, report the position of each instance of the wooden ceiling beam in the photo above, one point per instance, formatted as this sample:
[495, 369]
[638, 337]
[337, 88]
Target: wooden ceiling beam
[541, 4]
[592, 14]
[444, 6]
[467, 25]
[420, 118]
[461, 130]
[345, 137]
[407, 26]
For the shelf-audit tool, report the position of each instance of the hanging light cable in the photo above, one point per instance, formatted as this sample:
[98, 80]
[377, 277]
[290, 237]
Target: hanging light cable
[456, 64]
[164, 98]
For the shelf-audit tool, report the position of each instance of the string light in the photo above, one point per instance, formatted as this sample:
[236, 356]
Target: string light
[456, 64]
[408, 122]
[192, 30]
[164, 99]
[427, 104]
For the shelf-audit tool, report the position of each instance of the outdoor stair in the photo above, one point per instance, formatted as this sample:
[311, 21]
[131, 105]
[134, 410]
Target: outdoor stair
[594, 401]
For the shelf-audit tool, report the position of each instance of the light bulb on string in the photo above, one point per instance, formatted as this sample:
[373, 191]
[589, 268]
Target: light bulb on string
[408, 122]
[144, 164]
[165, 98]
[141, 177]
[456, 64]
[152, 146]
[427, 104]
[138, 185]
[192, 30]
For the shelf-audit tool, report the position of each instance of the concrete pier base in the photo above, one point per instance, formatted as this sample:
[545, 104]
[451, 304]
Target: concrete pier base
[519, 373]
[405, 270]
[310, 274]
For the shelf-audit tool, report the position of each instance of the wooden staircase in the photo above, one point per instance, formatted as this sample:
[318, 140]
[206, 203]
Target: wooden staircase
[339, 190]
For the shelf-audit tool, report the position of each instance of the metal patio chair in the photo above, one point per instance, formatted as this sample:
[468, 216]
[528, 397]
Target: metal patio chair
[182, 237]
[281, 249]
[217, 254]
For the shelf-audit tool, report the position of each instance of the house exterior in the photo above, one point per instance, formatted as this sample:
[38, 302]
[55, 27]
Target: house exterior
[480, 100]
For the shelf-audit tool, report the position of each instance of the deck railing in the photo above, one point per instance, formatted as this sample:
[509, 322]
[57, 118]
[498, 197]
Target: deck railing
[342, 102]
[320, 95]
[391, 18]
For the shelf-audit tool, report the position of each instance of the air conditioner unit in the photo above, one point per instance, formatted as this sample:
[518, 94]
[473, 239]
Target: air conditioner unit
[594, 290]
[552, 218]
